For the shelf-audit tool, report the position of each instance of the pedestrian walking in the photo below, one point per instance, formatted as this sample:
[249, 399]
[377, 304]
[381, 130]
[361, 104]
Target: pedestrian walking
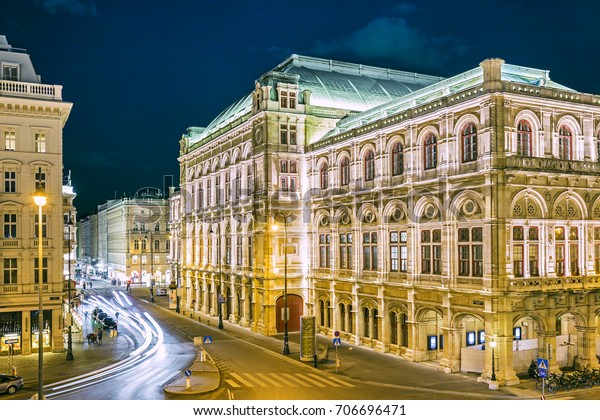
[100, 336]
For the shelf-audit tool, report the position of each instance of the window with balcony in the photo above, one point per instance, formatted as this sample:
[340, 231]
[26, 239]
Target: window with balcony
[430, 151]
[469, 143]
[369, 166]
[10, 72]
[10, 225]
[44, 270]
[524, 138]
[10, 271]
[10, 182]
[565, 143]
[36, 225]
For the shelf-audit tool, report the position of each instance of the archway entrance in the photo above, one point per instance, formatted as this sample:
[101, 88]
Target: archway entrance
[295, 310]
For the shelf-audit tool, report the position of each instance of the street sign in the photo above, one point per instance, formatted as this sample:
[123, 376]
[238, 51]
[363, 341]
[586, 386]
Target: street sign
[336, 333]
[542, 364]
[543, 373]
[11, 341]
[337, 341]
[188, 372]
[207, 339]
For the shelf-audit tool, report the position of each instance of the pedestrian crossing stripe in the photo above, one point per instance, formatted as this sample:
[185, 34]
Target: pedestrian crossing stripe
[278, 380]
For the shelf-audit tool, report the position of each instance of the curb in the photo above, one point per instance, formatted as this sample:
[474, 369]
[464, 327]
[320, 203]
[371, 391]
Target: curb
[204, 376]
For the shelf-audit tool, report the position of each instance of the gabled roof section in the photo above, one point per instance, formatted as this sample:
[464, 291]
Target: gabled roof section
[460, 82]
[333, 84]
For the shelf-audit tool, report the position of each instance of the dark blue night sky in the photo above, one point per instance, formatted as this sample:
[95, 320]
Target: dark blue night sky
[139, 72]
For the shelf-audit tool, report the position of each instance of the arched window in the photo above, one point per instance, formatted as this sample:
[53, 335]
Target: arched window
[324, 176]
[393, 327]
[345, 171]
[397, 159]
[565, 143]
[143, 244]
[524, 138]
[469, 143]
[238, 183]
[370, 166]
[136, 244]
[430, 152]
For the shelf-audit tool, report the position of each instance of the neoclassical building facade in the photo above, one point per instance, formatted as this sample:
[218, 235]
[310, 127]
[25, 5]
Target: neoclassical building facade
[421, 216]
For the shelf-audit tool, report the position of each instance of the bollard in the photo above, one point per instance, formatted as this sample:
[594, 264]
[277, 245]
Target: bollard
[187, 382]
[315, 360]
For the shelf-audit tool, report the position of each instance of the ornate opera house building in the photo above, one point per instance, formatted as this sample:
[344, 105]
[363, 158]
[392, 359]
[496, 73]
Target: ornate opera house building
[453, 220]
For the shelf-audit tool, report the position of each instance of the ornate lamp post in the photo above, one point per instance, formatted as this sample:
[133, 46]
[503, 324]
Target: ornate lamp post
[286, 345]
[493, 383]
[69, 332]
[40, 198]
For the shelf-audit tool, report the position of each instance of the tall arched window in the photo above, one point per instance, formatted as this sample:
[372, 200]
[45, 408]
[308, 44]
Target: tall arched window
[345, 171]
[324, 176]
[565, 143]
[397, 159]
[598, 148]
[430, 152]
[469, 143]
[524, 138]
[370, 166]
[136, 244]
[393, 327]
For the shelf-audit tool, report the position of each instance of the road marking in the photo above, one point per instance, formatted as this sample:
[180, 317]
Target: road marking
[321, 378]
[233, 383]
[293, 378]
[279, 378]
[252, 378]
[271, 381]
[344, 383]
[242, 380]
[306, 378]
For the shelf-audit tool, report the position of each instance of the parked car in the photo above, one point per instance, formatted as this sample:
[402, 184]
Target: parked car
[10, 384]
[108, 323]
[161, 291]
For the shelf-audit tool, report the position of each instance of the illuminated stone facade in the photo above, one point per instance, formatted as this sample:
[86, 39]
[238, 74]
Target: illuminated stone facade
[460, 213]
[32, 117]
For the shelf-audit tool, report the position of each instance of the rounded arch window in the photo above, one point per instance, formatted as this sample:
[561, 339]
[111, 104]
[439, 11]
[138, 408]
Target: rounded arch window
[430, 152]
[469, 143]
[565, 143]
[370, 166]
[397, 159]
[524, 138]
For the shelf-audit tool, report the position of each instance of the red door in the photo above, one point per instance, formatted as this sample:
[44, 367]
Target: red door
[295, 309]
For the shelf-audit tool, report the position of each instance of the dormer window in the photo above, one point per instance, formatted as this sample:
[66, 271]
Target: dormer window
[287, 99]
[10, 72]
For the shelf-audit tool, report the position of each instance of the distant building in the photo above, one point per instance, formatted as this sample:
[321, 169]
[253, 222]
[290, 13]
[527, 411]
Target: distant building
[32, 117]
[449, 220]
[128, 239]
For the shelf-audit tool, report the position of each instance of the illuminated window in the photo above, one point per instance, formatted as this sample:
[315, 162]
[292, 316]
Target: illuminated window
[430, 152]
[136, 244]
[10, 140]
[524, 138]
[469, 143]
[40, 142]
[398, 251]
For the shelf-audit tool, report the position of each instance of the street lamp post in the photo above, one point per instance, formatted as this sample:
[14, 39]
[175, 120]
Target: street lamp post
[151, 268]
[286, 345]
[219, 299]
[493, 383]
[39, 197]
[69, 332]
